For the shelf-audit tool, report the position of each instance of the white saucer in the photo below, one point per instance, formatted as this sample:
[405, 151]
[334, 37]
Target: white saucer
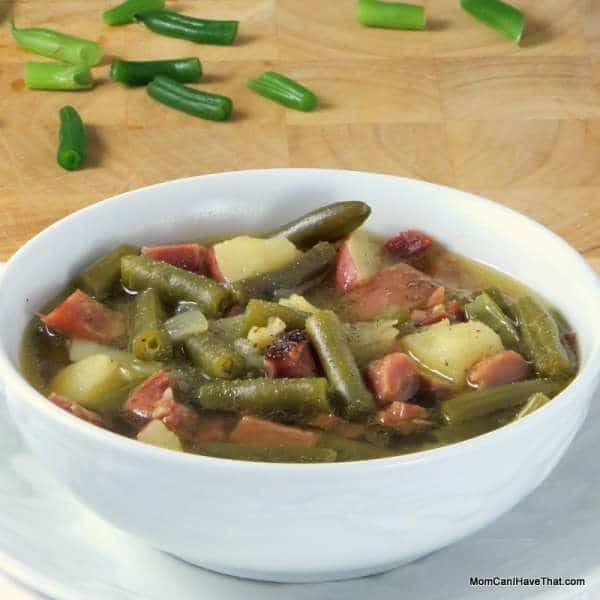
[53, 544]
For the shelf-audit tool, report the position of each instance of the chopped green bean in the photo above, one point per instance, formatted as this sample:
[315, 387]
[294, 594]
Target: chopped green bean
[390, 15]
[541, 339]
[148, 339]
[71, 140]
[503, 301]
[280, 454]
[128, 10]
[329, 340]
[57, 76]
[351, 449]
[498, 15]
[174, 285]
[472, 405]
[484, 309]
[282, 398]
[258, 313]
[534, 402]
[304, 271]
[214, 356]
[134, 73]
[58, 46]
[327, 224]
[283, 90]
[229, 328]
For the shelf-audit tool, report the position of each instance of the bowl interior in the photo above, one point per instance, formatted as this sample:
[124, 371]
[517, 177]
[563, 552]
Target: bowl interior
[213, 206]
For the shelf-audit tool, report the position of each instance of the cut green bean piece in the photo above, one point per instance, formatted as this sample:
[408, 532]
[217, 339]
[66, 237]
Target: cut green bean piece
[279, 454]
[201, 31]
[541, 340]
[135, 73]
[229, 328]
[185, 324]
[71, 140]
[214, 356]
[472, 405]
[283, 90]
[189, 100]
[484, 309]
[329, 340]
[534, 402]
[258, 313]
[503, 301]
[277, 398]
[148, 339]
[174, 285]
[58, 46]
[351, 449]
[498, 15]
[128, 10]
[57, 76]
[301, 273]
[391, 15]
[102, 276]
[327, 224]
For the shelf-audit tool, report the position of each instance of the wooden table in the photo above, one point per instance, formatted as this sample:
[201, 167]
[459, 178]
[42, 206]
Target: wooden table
[456, 104]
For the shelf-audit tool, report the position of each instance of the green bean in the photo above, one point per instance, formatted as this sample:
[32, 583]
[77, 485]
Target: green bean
[351, 449]
[327, 224]
[534, 402]
[282, 398]
[498, 15]
[148, 339]
[174, 284]
[503, 301]
[283, 90]
[57, 76]
[484, 309]
[390, 15]
[214, 356]
[229, 328]
[58, 46]
[541, 340]
[258, 313]
[71, 139]
[479, 403]
[102, 275]
[304, 271]
[142, 72]
[329, 340]
[280, 454]
[127, 11]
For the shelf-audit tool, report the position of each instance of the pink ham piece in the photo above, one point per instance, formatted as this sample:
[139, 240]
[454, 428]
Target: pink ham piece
[213, 267]
[192, 257]
[346, 271]
[437, 297]
[402, 417]
[393, 378]
[499, 369]
[334, 424]
[408, 244]
[79, 411]
[290, 356]
[251, 430]
[399, 285]
[433, 390]
[213, 429]
[81, 316]
[153, 399]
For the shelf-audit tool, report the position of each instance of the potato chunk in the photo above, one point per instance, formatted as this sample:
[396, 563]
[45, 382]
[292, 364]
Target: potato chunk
[451, 350]
[157, 434]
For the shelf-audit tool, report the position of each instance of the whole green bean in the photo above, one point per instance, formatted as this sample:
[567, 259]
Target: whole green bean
[541, 340]
[58, 46]
[127, 11]
[174, 284]
[71, 140]
[214, 356]
[484, 309]
[102, 275]
[327, 224]
[301, 272]
[142, 72]
[331, 344]
[229, 328]
[351, 449]
[201, 31]
[283, 398]
[258, 313]
[534, 402]
[471, 405]
[57, 76]
[280, 454]
[189, 100]
[148, 340]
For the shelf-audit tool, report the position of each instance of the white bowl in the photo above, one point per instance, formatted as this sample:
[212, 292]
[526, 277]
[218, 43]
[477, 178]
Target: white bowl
[285, 522]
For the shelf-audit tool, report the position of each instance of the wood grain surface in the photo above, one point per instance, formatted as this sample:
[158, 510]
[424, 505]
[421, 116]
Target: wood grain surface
[456, 104]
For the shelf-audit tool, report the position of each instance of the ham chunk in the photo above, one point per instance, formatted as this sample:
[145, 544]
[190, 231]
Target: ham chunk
[213, 429]
[403, 417]
[213, 268]
[154, 399]
[433, 390]
[251, 430]
[399, 285]
[81, 316]
[437, 297]
[334, 424]
[192, 257]
[290, 355]
[427, 317]
[393, 378]
[408, 244]
[79, 411]
[499, 369]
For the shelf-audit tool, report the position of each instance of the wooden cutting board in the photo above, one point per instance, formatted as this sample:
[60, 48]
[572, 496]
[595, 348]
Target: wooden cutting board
[456, 104]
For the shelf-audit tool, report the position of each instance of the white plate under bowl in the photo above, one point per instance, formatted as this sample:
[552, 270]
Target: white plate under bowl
[52, 543]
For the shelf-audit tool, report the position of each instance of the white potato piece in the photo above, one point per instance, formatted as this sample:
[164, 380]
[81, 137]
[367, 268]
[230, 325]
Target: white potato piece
[158, 434]
[451, 350]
